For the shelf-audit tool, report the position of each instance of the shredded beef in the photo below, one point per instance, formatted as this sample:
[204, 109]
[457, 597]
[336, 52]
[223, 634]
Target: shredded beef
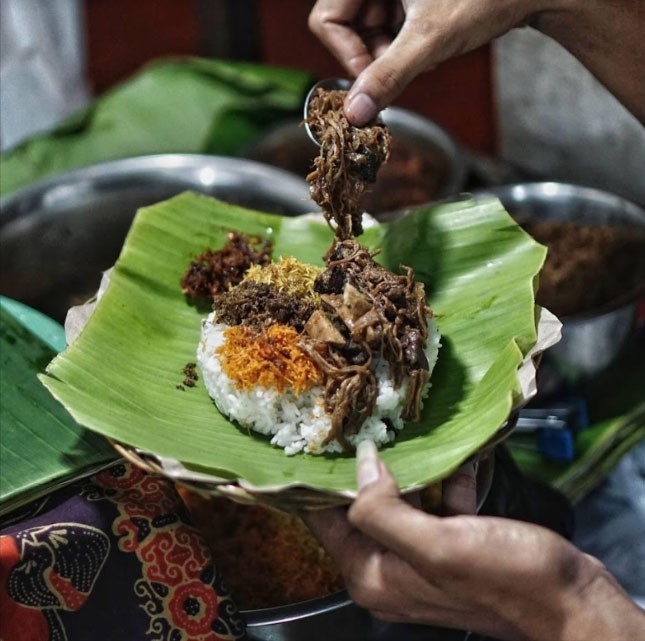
[348, 161]
[377, 312]
[260, 304]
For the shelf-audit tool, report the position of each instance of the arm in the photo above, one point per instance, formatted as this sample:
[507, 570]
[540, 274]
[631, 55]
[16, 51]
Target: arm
[608, 37]
[605, 35]
[493, 576]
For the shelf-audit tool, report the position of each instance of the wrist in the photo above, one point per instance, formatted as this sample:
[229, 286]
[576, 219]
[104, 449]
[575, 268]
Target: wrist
[596, 607]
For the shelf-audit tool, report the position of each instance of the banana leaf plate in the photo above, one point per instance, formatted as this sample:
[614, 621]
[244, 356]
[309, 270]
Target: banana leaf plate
[121, 375]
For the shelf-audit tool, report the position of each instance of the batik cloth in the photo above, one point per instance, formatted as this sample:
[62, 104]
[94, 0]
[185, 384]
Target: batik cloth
[113, 557]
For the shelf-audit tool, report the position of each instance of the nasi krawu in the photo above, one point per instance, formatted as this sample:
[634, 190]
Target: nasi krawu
[318, 358]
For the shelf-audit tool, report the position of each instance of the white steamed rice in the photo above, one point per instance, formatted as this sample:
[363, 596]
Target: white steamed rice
[298, 422]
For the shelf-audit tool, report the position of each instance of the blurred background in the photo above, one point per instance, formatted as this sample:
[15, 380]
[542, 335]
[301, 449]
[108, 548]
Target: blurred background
[523, 102]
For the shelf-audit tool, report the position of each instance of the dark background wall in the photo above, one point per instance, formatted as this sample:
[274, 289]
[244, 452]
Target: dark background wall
[123, 35]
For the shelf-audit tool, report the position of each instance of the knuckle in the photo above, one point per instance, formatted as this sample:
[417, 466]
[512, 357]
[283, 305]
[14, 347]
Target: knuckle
[391, 81]
[314, 22]
[361, 510]
[362, 594]
[319, 20]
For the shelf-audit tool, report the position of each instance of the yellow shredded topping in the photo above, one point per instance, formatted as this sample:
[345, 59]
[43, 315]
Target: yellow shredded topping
[289, 276]
[269, 357]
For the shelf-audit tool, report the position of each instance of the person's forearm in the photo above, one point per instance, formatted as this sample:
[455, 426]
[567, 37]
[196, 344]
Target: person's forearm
[608, 37]
[602, 610]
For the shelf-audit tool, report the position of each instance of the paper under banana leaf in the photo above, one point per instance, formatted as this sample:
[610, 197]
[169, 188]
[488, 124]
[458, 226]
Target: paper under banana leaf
[120, 376]
[189, 105]
[42, 447]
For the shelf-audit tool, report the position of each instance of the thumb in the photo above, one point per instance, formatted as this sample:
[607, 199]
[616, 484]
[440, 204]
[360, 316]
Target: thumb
[378, 492]
[460, 490]
[384, 79]
[380, 513]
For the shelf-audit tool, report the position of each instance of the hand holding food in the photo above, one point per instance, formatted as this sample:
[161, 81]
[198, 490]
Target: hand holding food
[386, 44]
[504, 578]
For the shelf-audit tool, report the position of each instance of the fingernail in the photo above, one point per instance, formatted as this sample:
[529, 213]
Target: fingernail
[367, 464]
[360, 109]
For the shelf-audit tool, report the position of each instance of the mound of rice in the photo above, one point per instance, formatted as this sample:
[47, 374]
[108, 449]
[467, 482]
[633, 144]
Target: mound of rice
[298, 422]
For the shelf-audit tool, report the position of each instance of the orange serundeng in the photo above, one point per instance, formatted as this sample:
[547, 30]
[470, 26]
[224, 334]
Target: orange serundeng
[270, 357]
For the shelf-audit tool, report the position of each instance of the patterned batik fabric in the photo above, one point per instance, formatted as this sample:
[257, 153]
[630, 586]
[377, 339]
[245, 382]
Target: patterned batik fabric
[111, 558]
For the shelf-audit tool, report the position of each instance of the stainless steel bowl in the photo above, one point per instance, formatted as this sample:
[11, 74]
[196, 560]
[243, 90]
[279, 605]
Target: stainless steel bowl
[594, 340]
[57, 237]
[335, 617]
[426, 164]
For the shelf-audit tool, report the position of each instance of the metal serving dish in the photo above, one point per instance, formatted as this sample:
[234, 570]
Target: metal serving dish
[425, 164]
[594, 340]
[336, 617]
[57, 237]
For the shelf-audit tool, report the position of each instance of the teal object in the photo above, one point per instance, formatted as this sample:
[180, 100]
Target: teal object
[46, 329]
[42, 447]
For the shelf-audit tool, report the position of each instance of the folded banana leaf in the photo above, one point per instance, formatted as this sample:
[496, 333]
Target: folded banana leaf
[120, 376]
[42, 447]
[189, 105]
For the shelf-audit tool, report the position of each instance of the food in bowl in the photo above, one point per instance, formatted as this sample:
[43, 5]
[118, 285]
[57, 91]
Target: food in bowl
[588, 266]
[268, 558]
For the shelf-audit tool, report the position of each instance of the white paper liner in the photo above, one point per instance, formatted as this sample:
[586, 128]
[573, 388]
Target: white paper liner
[549, 332]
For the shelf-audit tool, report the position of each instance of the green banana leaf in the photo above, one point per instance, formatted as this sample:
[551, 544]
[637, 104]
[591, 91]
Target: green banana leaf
[190, 105]
[42, 447]
[120, 377]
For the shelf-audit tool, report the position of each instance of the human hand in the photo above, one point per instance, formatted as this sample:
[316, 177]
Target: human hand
[385, 44]
[493, 576]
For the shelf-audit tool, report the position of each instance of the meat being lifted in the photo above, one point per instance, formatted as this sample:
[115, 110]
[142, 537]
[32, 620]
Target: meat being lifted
[348, 162]
[323, 358]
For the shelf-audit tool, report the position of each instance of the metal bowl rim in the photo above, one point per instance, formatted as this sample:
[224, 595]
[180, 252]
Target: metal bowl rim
[549, 189]
[106, 171]
[422, 126]
[297, 611]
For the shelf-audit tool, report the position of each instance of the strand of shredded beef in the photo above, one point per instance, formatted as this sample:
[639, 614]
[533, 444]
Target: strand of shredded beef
[367, 310]
[348, 161]
[375, 312]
